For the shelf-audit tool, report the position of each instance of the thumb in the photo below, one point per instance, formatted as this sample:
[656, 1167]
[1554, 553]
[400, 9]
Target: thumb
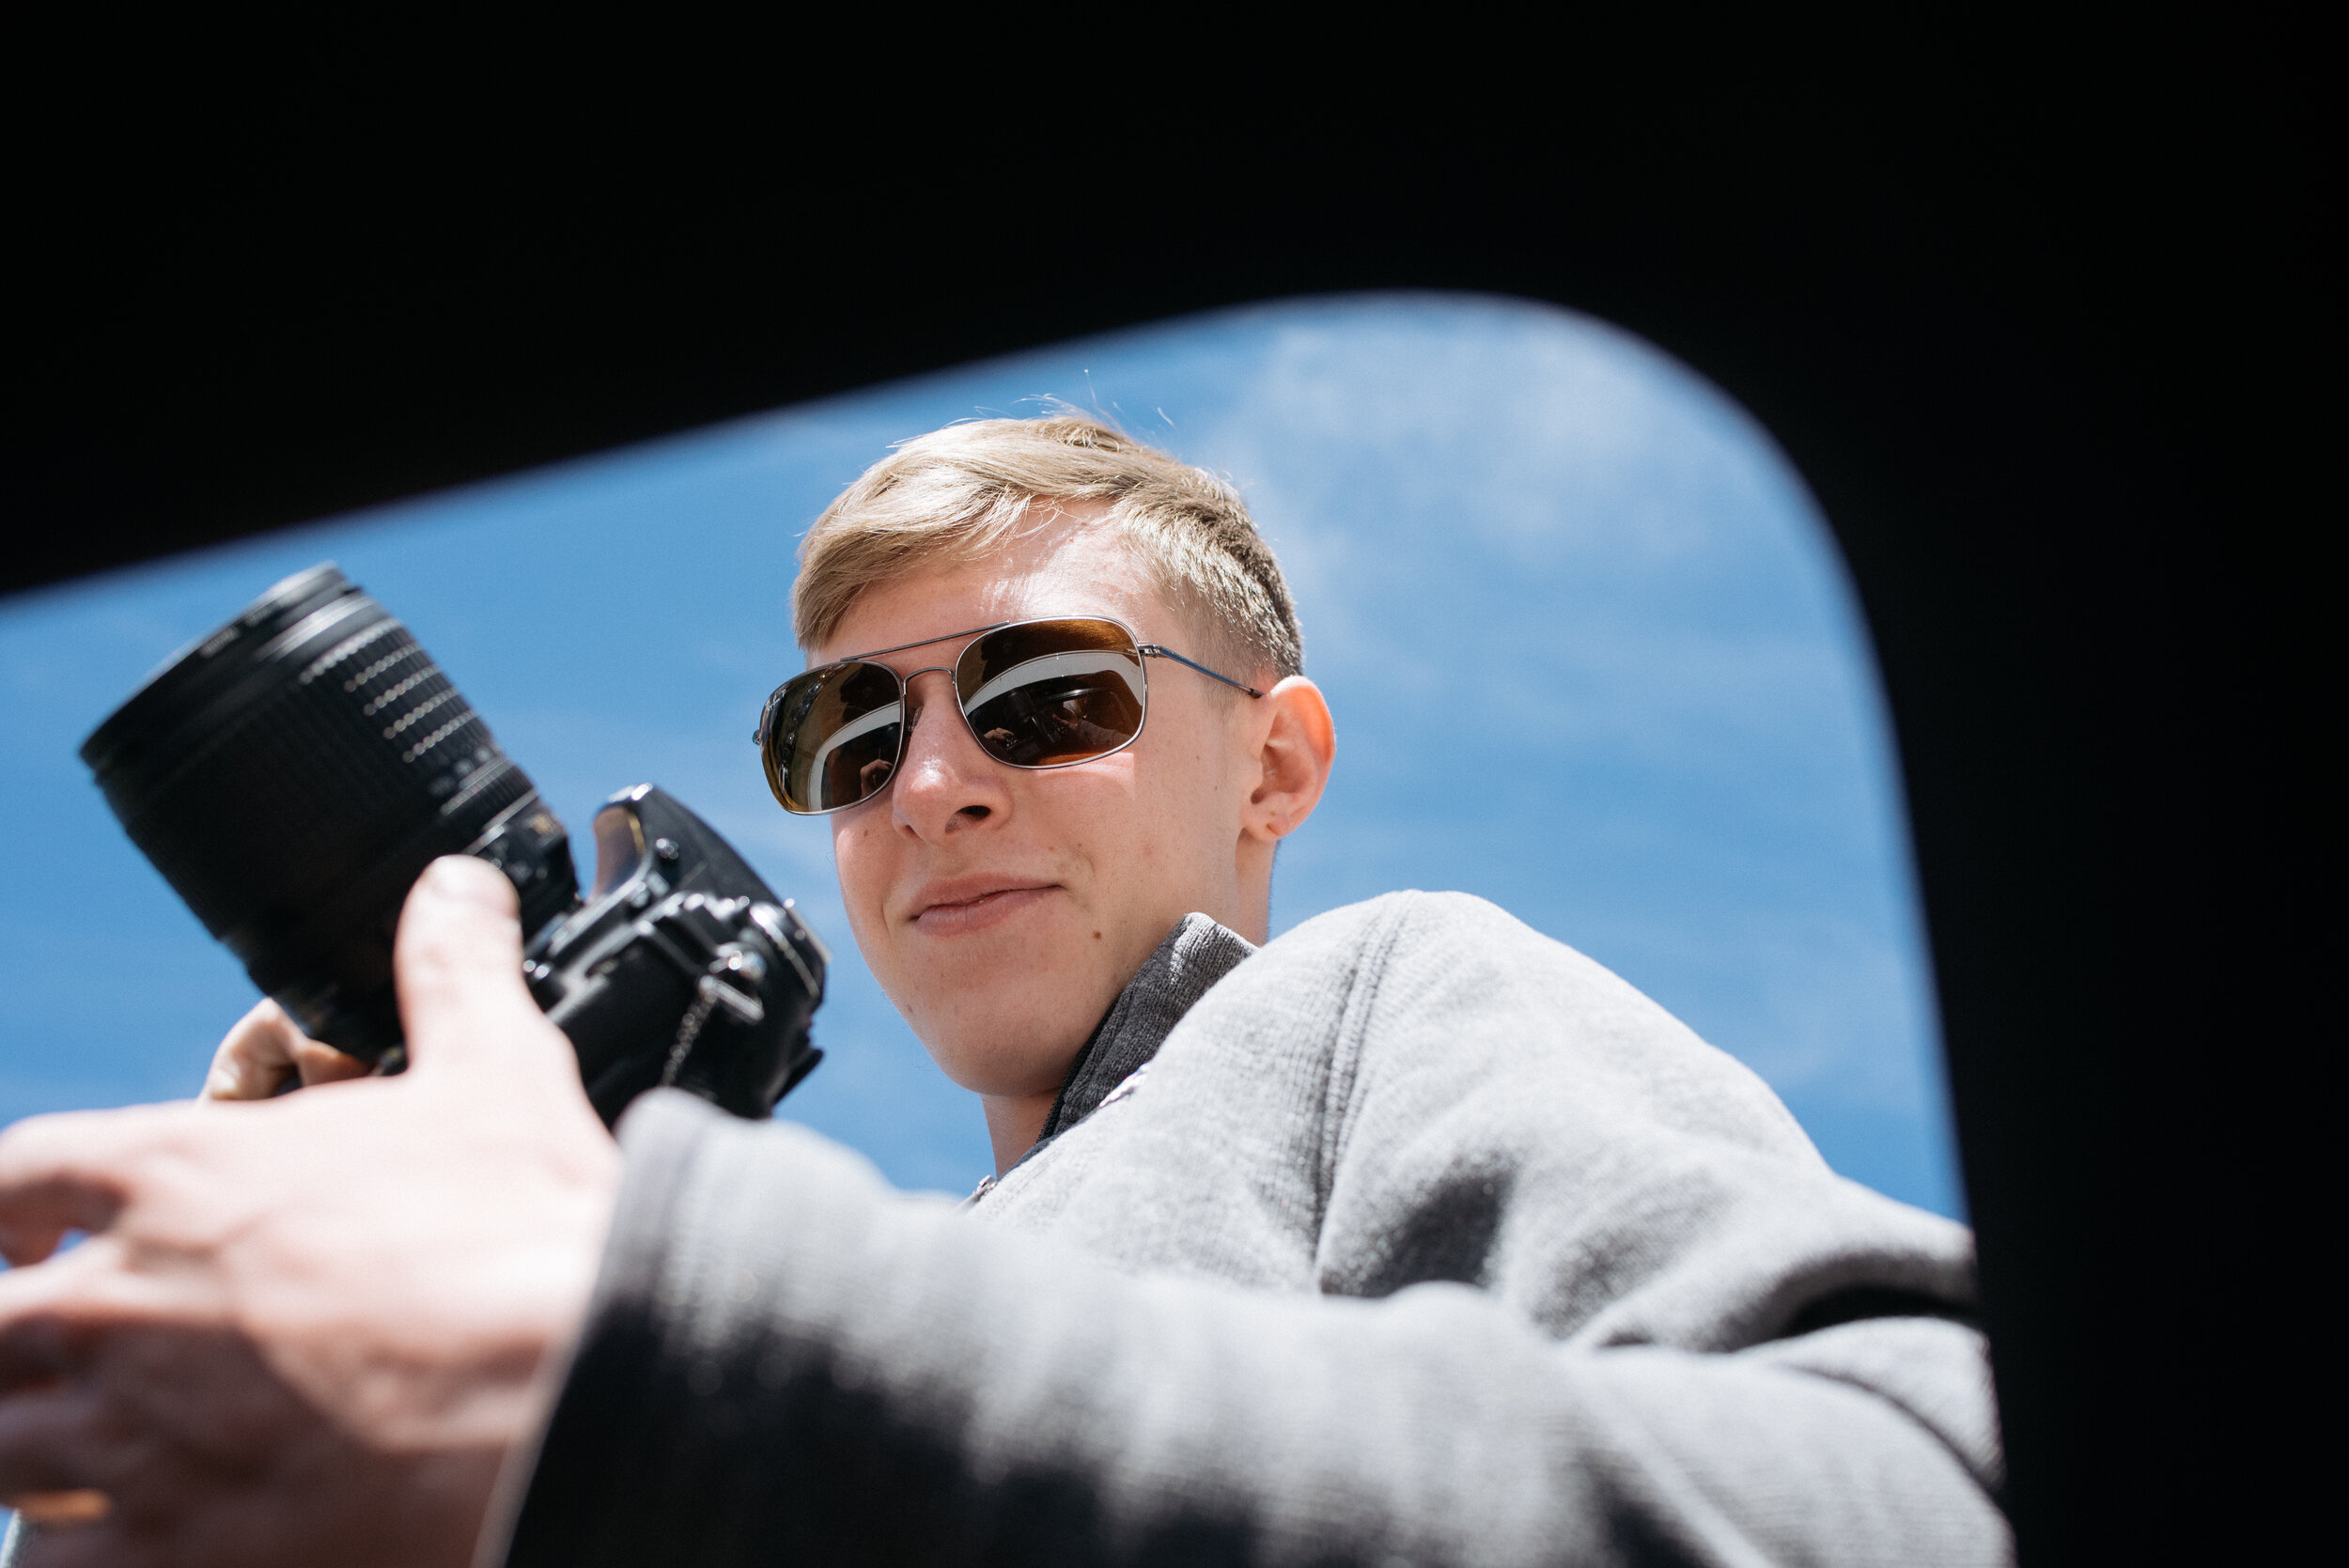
[458, 965]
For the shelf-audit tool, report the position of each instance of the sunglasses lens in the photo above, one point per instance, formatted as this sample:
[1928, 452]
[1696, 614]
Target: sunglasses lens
[834, 737]
[1053, 692]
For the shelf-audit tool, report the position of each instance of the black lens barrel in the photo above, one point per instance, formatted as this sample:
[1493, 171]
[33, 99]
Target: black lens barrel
[292, 773]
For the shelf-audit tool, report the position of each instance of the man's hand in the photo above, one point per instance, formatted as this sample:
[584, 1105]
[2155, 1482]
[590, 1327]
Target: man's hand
[306, 1330]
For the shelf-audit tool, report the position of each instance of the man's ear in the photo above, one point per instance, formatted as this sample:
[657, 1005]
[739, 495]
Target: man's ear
[1295, 746]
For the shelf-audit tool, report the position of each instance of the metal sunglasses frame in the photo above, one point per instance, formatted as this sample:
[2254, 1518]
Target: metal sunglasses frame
[905, 687]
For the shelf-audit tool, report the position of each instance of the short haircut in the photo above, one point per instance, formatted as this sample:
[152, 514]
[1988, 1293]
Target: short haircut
[949, 497]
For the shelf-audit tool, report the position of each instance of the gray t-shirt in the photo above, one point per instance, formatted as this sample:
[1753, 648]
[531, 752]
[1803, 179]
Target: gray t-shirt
[1414, 1237]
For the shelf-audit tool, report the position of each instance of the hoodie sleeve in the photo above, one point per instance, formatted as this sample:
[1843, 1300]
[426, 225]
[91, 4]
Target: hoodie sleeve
[786, 1362]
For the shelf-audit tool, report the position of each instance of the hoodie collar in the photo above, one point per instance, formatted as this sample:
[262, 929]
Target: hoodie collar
[1197, 955]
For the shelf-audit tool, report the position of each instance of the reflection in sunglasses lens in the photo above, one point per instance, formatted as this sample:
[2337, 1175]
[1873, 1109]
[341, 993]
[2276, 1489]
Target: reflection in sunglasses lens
[1052, 694]
[837, 736]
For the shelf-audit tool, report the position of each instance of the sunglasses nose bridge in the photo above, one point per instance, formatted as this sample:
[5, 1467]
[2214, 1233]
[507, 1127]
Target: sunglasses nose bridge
[918, 701]
[944, 779]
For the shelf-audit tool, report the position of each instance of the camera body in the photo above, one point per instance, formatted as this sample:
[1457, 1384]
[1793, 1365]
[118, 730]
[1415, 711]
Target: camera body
[679, 945]
[292, 773]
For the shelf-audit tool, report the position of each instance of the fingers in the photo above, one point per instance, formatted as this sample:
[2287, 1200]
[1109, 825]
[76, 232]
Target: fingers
[319, 1063]
[104, 1545]
[43, 1339]
[35, 1220]
[70, 1172]
[254, 1058]
[47, 1446]
[61, 1509]
[264, 1049]
[53, 1320]
[58, 1455]
[458, 963]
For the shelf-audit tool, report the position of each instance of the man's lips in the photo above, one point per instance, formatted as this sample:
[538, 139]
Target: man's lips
[971, 904]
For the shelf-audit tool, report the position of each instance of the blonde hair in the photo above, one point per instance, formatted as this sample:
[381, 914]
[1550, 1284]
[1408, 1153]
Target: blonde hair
[950, 496]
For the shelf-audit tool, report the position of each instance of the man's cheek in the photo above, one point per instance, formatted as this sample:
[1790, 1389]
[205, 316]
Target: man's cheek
[863, 870]
[866, 910]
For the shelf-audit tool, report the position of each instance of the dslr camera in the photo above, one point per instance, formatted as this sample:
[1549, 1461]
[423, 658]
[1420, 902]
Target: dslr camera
[290, 776]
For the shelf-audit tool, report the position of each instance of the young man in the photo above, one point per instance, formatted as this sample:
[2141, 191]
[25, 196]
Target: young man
[1410, 1237]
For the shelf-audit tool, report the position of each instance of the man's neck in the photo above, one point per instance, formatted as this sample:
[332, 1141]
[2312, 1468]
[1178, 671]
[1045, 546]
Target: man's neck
[1014, 1123]
[1196, 954]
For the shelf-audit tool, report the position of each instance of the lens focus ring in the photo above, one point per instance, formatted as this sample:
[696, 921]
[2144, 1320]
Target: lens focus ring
[289, 776]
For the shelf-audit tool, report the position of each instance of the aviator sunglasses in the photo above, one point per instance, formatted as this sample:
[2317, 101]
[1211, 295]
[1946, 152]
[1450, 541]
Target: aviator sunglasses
[1036, 695]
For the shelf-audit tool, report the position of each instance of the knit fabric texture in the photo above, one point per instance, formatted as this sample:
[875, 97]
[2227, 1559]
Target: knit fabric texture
[1424, 1239]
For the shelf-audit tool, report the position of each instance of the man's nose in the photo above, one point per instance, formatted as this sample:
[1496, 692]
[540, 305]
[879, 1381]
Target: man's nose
[946, 784]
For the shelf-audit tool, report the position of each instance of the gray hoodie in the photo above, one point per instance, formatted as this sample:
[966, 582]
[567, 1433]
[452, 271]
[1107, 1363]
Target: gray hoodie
[1414, 1237]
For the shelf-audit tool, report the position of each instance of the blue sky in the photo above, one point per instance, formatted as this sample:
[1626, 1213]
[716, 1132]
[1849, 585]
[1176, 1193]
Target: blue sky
[1590, 649]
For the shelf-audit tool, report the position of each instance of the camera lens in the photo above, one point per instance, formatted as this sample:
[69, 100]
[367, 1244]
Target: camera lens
[292, 773]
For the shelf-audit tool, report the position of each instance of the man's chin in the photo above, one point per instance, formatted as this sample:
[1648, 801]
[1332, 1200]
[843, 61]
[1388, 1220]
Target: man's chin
[998, 1014]
[1011, 1040]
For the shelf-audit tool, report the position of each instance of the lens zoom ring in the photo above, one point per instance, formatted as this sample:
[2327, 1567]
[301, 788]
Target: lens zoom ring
[324, 772]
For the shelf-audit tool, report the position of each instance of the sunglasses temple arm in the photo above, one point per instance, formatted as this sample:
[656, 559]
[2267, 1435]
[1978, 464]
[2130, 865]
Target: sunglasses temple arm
[1152, 650]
